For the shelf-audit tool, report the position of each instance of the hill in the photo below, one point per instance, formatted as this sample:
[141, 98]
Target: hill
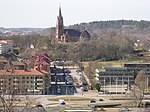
[111, 40]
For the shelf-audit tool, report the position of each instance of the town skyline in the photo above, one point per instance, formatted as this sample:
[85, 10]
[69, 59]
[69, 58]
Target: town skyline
[43, 14]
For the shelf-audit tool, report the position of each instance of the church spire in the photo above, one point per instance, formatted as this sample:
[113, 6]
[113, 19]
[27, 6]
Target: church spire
[59, 25]
[60, 11]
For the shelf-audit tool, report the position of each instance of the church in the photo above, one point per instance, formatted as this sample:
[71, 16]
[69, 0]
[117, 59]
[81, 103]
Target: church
[69, 35]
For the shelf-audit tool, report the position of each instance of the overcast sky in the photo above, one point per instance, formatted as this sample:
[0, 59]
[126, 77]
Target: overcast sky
[43, 13]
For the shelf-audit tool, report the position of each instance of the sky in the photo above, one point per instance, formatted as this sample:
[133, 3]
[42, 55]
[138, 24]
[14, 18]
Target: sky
[43, 13]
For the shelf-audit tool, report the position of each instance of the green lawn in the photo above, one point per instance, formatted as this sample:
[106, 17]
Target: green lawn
[117, 63]
[70, 98]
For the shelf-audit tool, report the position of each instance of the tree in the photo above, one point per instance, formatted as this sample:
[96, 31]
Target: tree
[12, 101]
[12, 98]
[98, 87]
[138, 91]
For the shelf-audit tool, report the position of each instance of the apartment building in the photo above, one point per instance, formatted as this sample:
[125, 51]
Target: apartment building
[5, 46]
[24, 82]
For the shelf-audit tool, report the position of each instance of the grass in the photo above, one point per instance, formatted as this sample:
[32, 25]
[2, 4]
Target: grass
[77, 103]
[116, 63]
[70, 98]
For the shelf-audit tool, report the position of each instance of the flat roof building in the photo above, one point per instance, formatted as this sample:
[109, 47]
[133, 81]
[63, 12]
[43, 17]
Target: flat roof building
[120, 79]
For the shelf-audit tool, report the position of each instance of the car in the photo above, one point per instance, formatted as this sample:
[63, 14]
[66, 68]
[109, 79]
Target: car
[78, 70]
[125, 109]
[58, 89]
[69, 79]
[92, 101]
[58, 79]
[62, 102]
[84, 88]
[99, 99]
[67, 70]
[68, 76]
[69, 82]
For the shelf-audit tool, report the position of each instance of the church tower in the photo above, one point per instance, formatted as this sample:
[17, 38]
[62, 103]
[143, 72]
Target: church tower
[59, 25]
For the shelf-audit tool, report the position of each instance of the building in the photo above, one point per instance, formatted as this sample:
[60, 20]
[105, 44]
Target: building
[23, 81]
[119, 80]
[6, 46]
[3, 63]
[115, 79]
[69, 35]
[137, 67]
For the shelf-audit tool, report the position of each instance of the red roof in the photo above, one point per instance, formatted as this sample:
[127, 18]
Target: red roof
[22, 72]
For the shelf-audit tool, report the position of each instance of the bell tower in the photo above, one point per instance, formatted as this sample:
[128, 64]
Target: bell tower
[59, 25]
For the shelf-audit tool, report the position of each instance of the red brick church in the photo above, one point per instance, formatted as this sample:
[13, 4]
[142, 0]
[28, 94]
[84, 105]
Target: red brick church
[69, 35]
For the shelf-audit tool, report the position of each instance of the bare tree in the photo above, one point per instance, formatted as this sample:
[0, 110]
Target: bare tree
[138, 91]
[12, 100]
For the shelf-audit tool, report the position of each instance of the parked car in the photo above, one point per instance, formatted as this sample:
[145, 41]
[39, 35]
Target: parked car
[84, 88]
[78, 70]
[58, 90]
[67, 70]
[69, 82]
[68, 76]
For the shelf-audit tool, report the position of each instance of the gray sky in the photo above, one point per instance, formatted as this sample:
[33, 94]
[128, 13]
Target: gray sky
[43, 13]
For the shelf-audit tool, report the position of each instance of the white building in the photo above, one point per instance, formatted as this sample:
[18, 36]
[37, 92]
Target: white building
[5, 46]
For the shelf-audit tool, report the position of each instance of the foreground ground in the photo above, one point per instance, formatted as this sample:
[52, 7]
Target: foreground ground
[80, 101]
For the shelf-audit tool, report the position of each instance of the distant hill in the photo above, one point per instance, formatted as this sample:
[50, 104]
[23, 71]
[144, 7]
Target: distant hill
[116, 24]
[132, 28]
[6, 32]
[3, 30]
[128, 27]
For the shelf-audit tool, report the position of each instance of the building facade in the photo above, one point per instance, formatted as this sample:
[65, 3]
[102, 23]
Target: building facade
[115, 80]
[6, 46]
[69, 35]
[23, 82]
[120, 80]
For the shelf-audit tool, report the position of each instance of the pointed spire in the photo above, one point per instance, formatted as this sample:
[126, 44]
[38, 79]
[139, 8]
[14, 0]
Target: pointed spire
[60, 11]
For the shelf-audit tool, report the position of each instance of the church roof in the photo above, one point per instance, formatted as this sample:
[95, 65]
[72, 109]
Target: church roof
[72, 32]
[85, 33]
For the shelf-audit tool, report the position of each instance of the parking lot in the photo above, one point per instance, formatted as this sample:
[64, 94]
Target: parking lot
[62, 82]
[67, 81]
[62, 89]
